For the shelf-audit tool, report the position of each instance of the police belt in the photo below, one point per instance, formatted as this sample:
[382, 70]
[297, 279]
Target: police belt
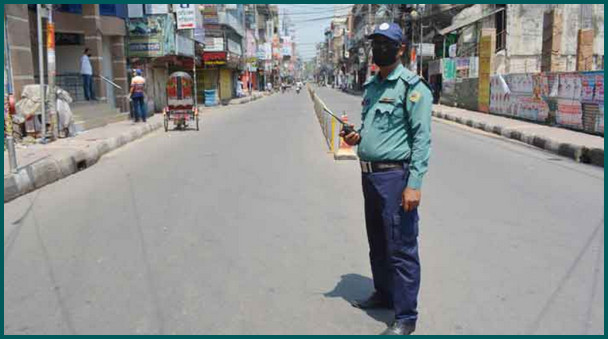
[382, 166]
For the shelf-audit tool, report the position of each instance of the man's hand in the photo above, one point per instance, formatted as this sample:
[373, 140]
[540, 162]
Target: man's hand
[410, 199]
[352, 138]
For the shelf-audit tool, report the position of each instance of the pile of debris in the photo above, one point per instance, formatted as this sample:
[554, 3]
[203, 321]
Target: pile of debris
[27, 120]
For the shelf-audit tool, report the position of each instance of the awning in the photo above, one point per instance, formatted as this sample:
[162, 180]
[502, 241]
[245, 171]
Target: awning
[468, 22]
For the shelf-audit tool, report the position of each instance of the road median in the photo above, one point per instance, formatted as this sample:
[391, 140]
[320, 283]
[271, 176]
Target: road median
[331, 130]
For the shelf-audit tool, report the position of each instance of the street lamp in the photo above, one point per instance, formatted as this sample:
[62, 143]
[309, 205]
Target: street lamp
[417, 17]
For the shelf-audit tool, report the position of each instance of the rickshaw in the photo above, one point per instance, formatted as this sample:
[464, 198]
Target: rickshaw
[180, 102]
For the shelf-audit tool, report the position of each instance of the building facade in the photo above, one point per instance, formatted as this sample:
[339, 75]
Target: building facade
[100, 28]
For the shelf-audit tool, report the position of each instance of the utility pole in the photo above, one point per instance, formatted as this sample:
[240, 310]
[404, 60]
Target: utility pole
[50, 54]
[39, 9]
[8, 91]
[194, 76]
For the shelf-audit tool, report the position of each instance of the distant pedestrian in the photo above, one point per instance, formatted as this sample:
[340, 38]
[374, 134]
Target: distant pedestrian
[86, 71]
[137, 93]
[394, 147]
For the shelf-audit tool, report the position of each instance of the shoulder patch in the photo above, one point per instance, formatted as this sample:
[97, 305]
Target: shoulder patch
[409, 77]
[414, 96]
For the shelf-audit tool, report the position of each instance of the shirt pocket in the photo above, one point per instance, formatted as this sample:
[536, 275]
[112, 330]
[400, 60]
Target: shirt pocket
[382, 115]
[388, 115]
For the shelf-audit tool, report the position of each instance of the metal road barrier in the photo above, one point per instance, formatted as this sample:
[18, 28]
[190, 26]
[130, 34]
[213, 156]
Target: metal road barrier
[331, 129]
[329, 125]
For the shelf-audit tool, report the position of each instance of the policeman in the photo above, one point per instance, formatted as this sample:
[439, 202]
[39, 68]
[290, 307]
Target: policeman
[394, 147]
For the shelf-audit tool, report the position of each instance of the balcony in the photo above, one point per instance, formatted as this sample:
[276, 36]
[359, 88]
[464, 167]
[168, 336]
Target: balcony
[228, 19]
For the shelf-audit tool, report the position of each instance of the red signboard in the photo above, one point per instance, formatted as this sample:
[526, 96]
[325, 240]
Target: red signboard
[214, 58]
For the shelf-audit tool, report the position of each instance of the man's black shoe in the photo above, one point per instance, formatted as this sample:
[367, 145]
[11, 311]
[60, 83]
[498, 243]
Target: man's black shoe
[377, 300]
[400, 328]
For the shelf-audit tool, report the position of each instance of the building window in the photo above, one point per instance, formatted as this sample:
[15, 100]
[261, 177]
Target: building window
[119, 10]
[69, 39]
[68, 8]
[501, 28]
[76, 9]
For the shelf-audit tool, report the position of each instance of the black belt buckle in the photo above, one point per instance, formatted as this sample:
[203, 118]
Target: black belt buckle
[372, 167]
[386, 166]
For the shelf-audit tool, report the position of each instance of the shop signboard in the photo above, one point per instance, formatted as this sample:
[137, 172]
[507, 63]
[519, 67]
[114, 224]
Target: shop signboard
[214, 44]
[210, 15]
[185, 15]
[146, 36]
[135, 10]
[157, 8]
[214, 58]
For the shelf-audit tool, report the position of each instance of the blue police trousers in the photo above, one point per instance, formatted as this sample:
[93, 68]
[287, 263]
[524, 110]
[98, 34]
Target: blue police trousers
[393, 241]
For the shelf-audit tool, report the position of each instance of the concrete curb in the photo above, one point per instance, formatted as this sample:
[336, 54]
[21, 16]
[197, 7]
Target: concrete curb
[248, 100]
[594, 156]
[56, 167]
[239, 101]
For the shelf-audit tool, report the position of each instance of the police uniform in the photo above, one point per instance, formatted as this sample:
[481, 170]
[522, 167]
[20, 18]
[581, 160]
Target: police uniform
[394, 151]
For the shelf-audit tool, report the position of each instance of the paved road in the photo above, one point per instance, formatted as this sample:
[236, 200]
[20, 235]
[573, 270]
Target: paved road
[249, 226]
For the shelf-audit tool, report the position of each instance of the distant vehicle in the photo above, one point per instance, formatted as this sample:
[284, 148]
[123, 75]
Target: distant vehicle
[180, 102]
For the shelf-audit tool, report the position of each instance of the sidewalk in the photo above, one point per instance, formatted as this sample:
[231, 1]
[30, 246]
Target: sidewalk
[40, 165]
[578, 146]
[239, 101]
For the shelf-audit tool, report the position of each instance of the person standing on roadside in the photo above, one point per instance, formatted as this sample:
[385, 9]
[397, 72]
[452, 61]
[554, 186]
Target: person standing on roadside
[393, 147]
[138, 94]
[86, 71]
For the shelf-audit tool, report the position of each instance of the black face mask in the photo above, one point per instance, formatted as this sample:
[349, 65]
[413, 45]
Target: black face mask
[385, 54]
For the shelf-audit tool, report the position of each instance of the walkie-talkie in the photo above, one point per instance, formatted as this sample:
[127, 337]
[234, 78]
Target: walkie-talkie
[345, 126]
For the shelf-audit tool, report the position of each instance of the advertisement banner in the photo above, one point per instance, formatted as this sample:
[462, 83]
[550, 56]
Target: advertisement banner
[519, 95]
[575, 99]
[474, 67]
[251, 48]
[286, 47]
[449, 70]
[264, 51]
[452, 50]
[462, 69]
[570, 113]
[185, 15]
[570, 86]
[276, 47]
[600, 120]
[599, 89]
